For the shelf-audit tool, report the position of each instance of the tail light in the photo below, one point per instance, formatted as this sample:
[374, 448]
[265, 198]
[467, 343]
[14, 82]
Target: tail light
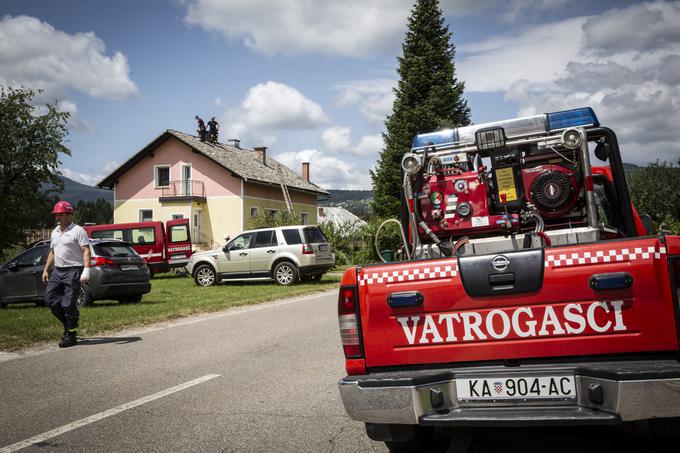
[101, 261]
[350, 334]
[307, 249]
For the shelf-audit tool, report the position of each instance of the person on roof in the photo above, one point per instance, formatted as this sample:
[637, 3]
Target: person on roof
[213, 127]
[70, 256]
[201, 128]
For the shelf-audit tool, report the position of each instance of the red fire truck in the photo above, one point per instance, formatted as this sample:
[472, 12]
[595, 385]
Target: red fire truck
[531, 294]
[164, 247]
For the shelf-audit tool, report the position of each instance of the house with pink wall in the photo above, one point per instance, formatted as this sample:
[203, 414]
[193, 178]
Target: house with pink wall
[220, 187]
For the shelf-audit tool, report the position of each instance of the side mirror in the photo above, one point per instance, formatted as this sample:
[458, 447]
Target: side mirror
[647, 222]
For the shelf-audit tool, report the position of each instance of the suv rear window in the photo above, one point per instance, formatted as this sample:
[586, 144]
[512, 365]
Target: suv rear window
[292, 236]
[314, 236]
[113, 250]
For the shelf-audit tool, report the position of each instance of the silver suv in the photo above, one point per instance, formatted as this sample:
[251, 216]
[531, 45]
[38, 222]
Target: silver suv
[284, 254]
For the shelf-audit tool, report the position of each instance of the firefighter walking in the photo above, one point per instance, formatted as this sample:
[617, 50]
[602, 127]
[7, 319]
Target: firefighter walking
[69, 261]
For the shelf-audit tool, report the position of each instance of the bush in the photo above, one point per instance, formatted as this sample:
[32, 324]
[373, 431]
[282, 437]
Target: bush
[353, 245]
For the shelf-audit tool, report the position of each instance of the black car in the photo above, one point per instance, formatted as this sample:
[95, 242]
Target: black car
[116, 272]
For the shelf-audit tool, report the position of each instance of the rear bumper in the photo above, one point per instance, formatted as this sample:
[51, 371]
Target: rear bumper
[607, 393]
[316, 269]
[116, 290]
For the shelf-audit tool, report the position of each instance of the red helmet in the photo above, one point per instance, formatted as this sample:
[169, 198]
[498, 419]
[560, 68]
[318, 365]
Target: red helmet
[62, 207]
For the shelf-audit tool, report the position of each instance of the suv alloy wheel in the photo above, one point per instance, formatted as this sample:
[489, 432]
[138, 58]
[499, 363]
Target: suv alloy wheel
[285, 273]
[205, 275]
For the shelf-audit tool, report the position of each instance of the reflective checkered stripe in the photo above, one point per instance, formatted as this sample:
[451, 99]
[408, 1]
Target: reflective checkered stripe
[407, 275]
[604, 256]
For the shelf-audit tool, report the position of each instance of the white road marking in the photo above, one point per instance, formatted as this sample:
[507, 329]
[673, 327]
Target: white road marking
[96, 417]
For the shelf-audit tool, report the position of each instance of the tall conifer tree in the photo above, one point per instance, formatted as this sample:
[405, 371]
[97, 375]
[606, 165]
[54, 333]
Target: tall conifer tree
[428, 97]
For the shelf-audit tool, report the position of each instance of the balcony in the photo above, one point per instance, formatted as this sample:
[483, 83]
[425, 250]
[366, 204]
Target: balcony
[183, 190]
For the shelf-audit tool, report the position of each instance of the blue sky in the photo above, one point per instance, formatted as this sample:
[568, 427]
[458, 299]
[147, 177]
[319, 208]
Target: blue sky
[312, 80]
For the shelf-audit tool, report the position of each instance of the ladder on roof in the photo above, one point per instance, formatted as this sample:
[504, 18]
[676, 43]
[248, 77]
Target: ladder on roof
[284, 189]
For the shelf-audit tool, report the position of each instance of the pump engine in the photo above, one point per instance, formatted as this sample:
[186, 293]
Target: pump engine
[517, 176]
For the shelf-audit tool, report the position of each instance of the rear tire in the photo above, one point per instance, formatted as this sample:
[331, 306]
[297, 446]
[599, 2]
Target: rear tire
[285, 273]
[3, 305]
[84, 297]
[204, 275]
[39, 303]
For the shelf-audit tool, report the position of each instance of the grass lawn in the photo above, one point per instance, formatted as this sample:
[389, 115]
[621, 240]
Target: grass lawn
[171, 297]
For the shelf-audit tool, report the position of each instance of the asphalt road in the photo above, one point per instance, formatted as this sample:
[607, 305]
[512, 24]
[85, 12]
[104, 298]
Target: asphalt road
[258, 379]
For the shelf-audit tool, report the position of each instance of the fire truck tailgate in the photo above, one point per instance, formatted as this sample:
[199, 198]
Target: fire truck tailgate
[589, 299]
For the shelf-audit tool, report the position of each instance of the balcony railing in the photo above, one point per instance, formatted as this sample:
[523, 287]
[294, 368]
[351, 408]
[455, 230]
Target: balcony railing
[182, 190]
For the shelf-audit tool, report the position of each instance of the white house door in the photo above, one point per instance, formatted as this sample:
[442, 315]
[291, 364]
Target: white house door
[197, 224]
[186, 180]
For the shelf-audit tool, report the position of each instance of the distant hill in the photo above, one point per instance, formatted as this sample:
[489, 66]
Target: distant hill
[337, 197]
[75, 192]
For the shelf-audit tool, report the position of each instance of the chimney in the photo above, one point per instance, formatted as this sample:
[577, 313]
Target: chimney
[262, 153]
[235, 142]
[305, 171]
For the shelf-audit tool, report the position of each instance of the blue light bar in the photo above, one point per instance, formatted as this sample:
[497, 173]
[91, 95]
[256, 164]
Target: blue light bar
[571, 118]
[442, 137]
[528, 126]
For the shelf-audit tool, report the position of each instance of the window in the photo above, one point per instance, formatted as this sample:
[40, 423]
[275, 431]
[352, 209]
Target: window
[162, 176]
[113, 250]
[241, 242]
[108, 234]
[271, 213]
[143, 236]
[145, 215]
[177, 216]
[314, 235]
[304, 218]
[32, 257]
[179, 233]
[292, 236]
[265, 238]
[253, 212]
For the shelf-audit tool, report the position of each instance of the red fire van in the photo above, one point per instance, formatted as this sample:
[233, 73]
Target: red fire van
[162, 246]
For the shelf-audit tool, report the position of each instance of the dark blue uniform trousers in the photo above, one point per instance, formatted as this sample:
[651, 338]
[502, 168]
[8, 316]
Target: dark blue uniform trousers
[61, 295]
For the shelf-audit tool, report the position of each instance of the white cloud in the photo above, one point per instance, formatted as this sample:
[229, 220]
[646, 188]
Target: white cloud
[374, 98]
[632, 83]
[328, 171]
[369, 145]
[36, 55]
[84, 178]
[270, 107]
[337, 138]
[538, 55]
[349, 28]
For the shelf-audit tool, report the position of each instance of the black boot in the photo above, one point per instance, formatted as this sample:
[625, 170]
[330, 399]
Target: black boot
[69, 338]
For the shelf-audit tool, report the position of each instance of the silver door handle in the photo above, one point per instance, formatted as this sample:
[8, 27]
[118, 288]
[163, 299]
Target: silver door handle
[242, 254]
[271, 251]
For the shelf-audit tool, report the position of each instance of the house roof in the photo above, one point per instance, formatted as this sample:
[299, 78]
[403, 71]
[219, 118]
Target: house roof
[242, 163]
[339, 216]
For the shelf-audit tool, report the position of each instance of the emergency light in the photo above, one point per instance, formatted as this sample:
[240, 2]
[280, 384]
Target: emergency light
[514, 128]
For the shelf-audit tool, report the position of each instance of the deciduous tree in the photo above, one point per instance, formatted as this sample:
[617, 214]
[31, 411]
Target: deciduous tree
[31, 141]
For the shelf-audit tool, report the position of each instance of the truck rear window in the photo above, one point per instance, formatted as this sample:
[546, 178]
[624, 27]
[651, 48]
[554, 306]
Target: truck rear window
[314, 236]
[292, 236]
[179, 233]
